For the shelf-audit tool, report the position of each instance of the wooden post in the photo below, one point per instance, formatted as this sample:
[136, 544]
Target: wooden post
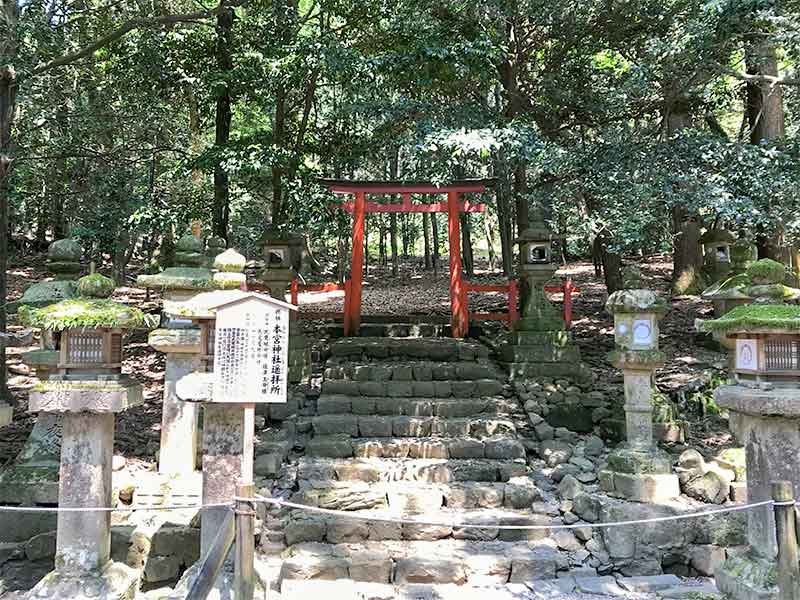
[786, 535]
[353, 316]
[244, 550]
[459, 323]
[212, 562]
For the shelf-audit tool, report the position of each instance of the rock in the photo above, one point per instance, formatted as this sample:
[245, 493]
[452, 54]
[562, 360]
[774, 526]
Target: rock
[341, 531]
[563, 470]
[543, 431]
[314, 567]
[691, 459]
[582, 463]
[566, 540]
[161, 568]
[118, 463]
[707, 591]
[593, 446]
[420, 570]
[586, 507]
[570, 518]
[41, 546]
[604, 586]
[555, 452]
[520, 495]
[308, 529]
[267, 465]
[733, 459]
[705, 559]
[372, 567]
[584, 534]
[710, 487]
[651, 583]
[183, 542]
[569, 488]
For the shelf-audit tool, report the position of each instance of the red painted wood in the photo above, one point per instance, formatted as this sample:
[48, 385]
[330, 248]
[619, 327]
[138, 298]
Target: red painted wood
[434, 207]
[569, 287]
[293, 292]
[458, 299]
[353, 320]
[420, 188]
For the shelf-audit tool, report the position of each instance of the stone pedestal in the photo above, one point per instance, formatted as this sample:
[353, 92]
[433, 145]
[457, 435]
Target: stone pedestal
[178, 449]
[768, 423]
[278, 281]
[83, 568]
[639, 470]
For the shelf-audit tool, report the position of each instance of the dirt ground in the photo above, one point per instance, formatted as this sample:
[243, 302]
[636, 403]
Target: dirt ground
[414, 291]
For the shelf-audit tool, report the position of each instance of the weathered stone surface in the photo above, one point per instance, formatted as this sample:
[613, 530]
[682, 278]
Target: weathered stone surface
[604, 586]
[569, 488]
[324, 567]
[183, 542]
[411, 426]
[533, 564]
[267, 465]
[162, 568]
[82, 396]
[501, 447]
[371, 567]
[706, 559]
[375, 426]
[342, 530]
[41, 546]
[651, 583]
[331, 446]
[465, 448]
[333, 424]
[555, 452]
[710, 487]
[308, 529]
[419, 570]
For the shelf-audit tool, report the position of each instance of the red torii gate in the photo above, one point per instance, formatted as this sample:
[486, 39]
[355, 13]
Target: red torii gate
[453, 207]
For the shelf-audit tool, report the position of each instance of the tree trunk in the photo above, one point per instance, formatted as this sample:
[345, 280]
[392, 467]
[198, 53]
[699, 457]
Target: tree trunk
[8, 101]
[222, 134]
[504, 221]
[381, 242]
[764, 100]
[405, 234]
[394, 173]
[612, 269]
[426, 224]
[466, 245]
[489, 232]
[435, 237]
[366, 245]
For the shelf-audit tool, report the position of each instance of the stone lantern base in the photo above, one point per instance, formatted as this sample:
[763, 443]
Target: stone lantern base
[531, 354]
[115, 581]
[641, 475]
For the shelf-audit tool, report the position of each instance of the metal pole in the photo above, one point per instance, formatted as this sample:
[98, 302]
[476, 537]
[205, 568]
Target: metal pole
[244, 574]
[786, 535]
[213, 560]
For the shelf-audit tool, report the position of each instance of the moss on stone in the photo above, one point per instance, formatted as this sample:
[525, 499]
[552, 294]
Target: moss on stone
[64, 250]
[756, 316]
[230, 261]
[178, 278]
[44, 293]
[766, 270]
[95, 286]
[88, 314]
[733, 285]
[189, 243]
[635, 301]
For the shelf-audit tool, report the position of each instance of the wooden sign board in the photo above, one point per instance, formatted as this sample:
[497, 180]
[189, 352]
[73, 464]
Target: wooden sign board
[251, 350]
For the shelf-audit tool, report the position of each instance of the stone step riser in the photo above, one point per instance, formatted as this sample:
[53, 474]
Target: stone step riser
[415, 407]
[477, 388]
[378, 426]
[415, 372]
[417, 499]
[357, 349]
[409, 470]
[459, 448]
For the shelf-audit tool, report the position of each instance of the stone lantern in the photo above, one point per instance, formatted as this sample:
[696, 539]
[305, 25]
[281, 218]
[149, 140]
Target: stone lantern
[88, 389]
[278, 275]
[765, 417]
[717, 245]
[638, 470]
[540, 345]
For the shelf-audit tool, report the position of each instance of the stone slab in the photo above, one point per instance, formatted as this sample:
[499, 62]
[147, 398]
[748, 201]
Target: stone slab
[115, 582]
[173, 340]
[85, 396]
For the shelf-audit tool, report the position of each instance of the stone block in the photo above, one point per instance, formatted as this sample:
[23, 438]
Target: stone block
[416, 408]
[411, 426]
[381, 373]
[442, 389]
[524, 535]
[520, 495]
[305, 529]
[323, 567]
[534, 564]
[504, 448]
[415, 500]
[426, 533]
[465, 448]
[475, 495]
[367, 449]
[370, 567]
[706, 559]
[402, 373]
[352, 497]
[330, 446]
[361, 406]
[372, 389]
[488, 387]
[380, 531]
[162, 568]
[333, 405]
[649, 583]
[491, 427]
[475, 471]
[555, 452]
[357, 472]
[424, 389]
[399, 389]
[343, 530]
[428, 449]
[343, 387]
[421, 570]
[362, 373]
[422, 373]
[268, 465]
[456, 428]
[41, 546]
[507, 470]
[85, 396]
[176, 340]
[603, 586]
[646, 487]
[465, 407]
[333, 424]
[183, 542]
[375, 426]
[463, 389]
[395, 448]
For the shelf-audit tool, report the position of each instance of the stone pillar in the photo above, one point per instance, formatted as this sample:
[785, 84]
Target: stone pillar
[83, 539]
[638, 470]
[178, 449]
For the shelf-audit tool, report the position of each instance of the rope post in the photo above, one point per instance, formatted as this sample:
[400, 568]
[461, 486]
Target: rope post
[244, 574]
[786, 535]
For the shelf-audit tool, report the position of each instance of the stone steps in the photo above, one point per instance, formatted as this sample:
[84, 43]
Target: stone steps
[462, 388]
[440, 524]
[411, 371]
[448, 446]
[418, 497]
[337, 404]
[406, 426]
[443, 561]
[373, 470]
[377, 348]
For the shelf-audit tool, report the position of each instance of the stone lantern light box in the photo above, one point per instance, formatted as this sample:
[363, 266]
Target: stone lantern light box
[251, 343]
[277, 254]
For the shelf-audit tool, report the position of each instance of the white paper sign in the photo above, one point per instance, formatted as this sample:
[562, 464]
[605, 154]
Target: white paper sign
[251, 351]
[746, 355]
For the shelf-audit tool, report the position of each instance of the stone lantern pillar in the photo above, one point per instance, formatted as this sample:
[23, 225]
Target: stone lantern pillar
[86, 391]
[540, 346]
[638, 470]
[764, 416]
[277, 275]
[180, 341]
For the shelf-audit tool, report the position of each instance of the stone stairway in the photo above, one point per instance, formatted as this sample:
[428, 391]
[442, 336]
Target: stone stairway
[422, 428]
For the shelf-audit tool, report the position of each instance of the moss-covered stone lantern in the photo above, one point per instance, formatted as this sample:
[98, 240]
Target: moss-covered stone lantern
[764, 415]
[87, 391]
[717, 244]
[539, 344]
[638, 470]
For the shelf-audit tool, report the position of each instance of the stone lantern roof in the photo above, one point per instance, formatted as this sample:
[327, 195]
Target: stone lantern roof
[716, 236]
[537, 230]
[190, 272]
[635, 301]
[756, 318]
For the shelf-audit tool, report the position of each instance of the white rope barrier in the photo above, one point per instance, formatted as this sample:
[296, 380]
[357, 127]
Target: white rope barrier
[361, 517]
[79, 509]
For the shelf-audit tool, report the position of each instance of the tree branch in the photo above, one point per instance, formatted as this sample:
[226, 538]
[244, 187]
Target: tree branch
[132, 25]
